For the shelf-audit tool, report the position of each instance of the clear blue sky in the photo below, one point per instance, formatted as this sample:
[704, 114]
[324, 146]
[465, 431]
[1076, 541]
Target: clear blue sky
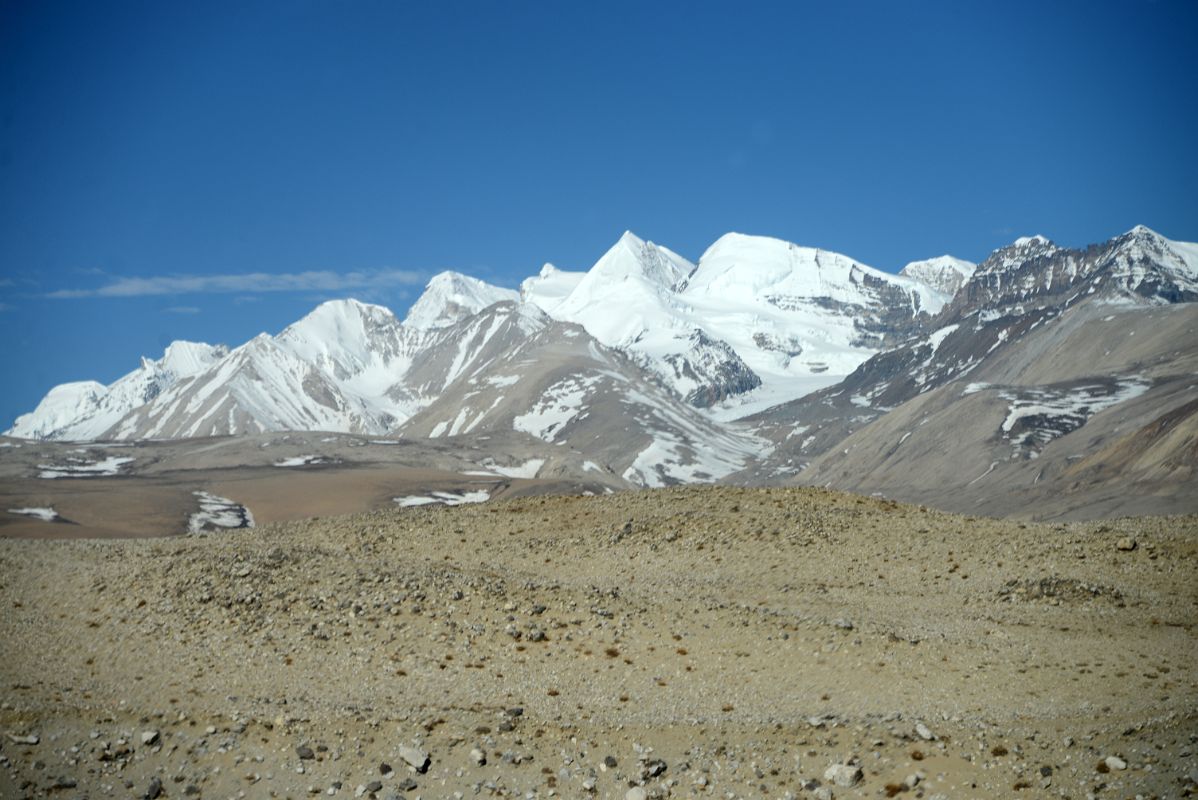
[209, 170]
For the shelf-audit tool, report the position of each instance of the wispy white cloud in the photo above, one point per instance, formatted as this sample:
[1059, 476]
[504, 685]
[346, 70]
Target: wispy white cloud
[181, 310]
[316, 281]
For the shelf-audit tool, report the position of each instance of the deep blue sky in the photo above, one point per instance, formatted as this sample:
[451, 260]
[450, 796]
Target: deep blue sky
[378, 143]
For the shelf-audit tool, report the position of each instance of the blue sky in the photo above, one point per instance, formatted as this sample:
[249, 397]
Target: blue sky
[211, 170]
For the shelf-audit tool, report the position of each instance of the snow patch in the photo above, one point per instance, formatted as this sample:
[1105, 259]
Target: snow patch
[303, 461]
[560, 403]
[1037, 416]
[528, 469]
[44, 514]
[80, 468]
[218, 513]
[443, 498]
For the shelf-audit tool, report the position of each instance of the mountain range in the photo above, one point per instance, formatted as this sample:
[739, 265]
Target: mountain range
[1050, 372]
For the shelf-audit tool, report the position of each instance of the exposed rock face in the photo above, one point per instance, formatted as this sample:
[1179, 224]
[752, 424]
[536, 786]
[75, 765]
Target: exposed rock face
[944, 273]
[714, 368]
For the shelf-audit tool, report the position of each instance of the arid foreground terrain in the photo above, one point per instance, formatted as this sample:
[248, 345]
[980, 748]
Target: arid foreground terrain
[696, 642]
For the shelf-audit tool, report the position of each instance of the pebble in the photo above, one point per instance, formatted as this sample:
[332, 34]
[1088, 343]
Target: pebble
[305, 753]
[924, 732]
[154, 790]
[636, 793]
[1126, 544]
[843, 774]
[31, 739]
[415, 757]
[478, 756]
[1114, 762]
[149, 737]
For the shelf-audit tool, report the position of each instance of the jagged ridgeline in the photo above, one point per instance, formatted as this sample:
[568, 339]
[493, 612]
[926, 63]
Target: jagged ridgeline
[764, 362]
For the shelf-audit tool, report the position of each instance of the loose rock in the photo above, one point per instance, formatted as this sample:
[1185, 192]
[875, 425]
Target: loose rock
[843, 774]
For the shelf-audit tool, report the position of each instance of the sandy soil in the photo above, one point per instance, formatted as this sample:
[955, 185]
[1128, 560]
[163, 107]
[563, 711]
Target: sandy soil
[708, 641]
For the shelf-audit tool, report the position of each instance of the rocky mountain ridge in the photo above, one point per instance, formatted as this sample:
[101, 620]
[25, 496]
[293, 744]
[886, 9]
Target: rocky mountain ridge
[641, 366]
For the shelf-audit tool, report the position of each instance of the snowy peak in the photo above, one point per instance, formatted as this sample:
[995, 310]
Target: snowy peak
[338, 324]
[549, 287]
[945, 273]
[1017, 253]
[1138, 267]
[347, 338]
[87, 409]
[632, 258]
[627, 292]
[752, 268]
[452, 296]
[184, 359]
[62, 407]
[1147, 264]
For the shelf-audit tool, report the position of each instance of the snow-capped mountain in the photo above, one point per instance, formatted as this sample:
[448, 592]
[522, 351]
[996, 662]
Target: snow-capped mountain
[1014, 326]
[333, 370]
[1138, 266]
[451, 296]
[756, 322]
[945, 274]
[638, 365]
[551, 380]
[87, 409]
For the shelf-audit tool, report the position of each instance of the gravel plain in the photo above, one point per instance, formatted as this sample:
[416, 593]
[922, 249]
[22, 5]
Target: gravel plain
[697, 642]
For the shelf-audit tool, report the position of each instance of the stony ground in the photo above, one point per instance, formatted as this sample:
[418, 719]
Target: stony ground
[703, 642]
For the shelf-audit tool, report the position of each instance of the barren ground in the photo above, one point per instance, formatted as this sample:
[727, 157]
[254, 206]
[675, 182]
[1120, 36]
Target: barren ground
[710, 642]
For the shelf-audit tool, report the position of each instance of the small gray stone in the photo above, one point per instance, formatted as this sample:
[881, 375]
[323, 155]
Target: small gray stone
[843, 774]
[1116, 763]
[415, 757]
[1126, 544]
[636, 793]
[305, 753]
[478, 756]
[924, 732]
[149, 737]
